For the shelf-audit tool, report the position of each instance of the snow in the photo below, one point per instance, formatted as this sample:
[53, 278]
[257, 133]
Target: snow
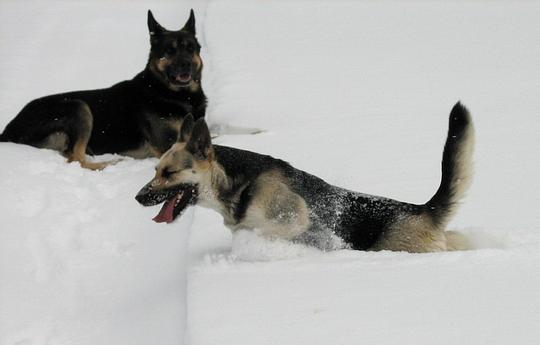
[81, 262]
[357, 93]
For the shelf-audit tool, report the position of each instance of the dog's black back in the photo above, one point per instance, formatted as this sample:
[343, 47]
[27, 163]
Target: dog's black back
[359, 219]
[138, 117]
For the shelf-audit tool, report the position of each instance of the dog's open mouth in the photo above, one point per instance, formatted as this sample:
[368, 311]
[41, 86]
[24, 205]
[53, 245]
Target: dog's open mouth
[173, 207]
[180, 79]
[176, 199]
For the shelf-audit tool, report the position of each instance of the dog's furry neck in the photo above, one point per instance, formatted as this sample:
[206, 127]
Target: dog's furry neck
[153, 89]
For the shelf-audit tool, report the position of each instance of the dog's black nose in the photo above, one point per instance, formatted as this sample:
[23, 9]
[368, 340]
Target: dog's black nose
[185, 64]
[143, 197]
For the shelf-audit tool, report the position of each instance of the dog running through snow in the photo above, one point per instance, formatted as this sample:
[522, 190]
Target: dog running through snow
[256, 191]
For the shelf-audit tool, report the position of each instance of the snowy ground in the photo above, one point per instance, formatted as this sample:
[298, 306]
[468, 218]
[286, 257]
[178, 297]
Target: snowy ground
[355, 92]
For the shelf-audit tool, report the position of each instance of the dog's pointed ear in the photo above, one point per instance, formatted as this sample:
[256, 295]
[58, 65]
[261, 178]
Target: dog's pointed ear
[190, 24]
[186, 129]
[153, 26]
[200, 142]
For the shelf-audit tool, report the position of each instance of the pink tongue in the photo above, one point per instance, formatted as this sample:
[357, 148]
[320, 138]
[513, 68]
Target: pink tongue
[183, 77]
[165, 215]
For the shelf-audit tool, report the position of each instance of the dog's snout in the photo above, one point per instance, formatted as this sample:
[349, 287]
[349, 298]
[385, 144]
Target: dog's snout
[143, 196]
[185, 64]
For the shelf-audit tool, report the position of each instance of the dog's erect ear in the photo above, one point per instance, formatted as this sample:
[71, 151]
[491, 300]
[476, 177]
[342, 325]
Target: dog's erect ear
[186, 129]
[190, 24]
[153, 26]
[200, 142]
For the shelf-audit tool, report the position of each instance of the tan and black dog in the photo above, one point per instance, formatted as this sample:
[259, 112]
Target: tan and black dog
[139, 117]
[254, 191]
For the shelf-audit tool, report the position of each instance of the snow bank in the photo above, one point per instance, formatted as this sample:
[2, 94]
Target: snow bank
[81, 261]
[478, 297]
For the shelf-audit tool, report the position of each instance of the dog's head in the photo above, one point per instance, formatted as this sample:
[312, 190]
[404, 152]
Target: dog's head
[174, 55]
[183, 174]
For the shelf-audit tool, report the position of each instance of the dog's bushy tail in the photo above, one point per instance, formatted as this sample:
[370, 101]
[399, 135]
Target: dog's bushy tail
[456, 166]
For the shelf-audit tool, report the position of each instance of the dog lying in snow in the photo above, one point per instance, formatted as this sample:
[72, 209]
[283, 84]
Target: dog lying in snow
[255, 191]
[140, 117]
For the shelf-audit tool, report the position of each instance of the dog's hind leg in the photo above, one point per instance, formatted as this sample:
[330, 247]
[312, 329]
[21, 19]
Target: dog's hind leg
[78, 128]
[61, 125]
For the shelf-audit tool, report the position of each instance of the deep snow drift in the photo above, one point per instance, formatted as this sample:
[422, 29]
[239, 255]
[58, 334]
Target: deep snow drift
[356, 93]
[80, 259]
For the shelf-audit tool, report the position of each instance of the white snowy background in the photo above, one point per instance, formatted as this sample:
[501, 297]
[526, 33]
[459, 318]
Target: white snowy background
[357, 93]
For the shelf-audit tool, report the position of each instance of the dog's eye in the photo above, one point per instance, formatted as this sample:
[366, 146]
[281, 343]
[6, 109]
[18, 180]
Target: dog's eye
[190, 47]
[170, 50]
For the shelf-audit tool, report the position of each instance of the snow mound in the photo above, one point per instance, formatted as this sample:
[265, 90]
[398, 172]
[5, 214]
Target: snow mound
[249, 246]
[81, 261]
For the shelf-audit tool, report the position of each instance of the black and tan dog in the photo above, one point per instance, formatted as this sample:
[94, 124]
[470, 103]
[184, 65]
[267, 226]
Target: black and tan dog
[254, 191]
[139, 117]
